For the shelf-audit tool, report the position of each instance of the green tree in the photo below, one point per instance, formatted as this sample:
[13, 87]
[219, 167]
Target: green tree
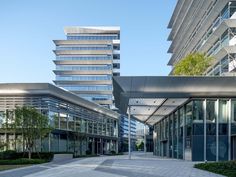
[32, 125]
[194, 64]
[140, 145]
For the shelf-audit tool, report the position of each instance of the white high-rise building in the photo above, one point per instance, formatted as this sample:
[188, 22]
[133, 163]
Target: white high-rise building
[206, 26]
[87, 60]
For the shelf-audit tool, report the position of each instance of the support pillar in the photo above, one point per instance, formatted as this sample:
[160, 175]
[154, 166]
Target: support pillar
[145, 140]
[101, 145]
[117, 146]
[229, 127]
[129, 111]
[93, 146]
[204, 122]
[217, 130]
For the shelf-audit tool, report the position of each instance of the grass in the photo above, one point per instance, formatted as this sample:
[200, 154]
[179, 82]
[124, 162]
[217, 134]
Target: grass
[224, 168]
[9, 167]
[22, 161]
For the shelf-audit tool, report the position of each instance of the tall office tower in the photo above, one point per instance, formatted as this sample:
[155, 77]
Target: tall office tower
[206, 26]
[87, 60]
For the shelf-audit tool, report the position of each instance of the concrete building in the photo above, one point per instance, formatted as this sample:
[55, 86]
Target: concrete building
[206, 26]
[194, 118]
[87, 60]
[79, 126]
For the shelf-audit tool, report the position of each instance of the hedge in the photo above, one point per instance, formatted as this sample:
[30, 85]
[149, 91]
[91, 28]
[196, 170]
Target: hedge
[13, 155]
[227, 168]
[22, 161]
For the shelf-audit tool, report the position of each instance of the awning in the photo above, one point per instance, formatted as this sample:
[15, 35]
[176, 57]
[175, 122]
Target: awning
[151, 98]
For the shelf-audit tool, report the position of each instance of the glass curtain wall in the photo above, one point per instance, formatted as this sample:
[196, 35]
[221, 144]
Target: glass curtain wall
[188, 131]
[198, 131]
[223, 129]
[211, 123]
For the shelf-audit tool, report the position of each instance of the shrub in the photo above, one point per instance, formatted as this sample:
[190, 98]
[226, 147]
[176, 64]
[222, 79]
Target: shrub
[22, 161]
[113, 152]
[41, 155]
[225, 168]
[88, 152]
[12, 155]
[9, 154]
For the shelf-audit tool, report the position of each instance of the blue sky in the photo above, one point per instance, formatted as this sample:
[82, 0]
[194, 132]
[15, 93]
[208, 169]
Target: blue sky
[28, 28]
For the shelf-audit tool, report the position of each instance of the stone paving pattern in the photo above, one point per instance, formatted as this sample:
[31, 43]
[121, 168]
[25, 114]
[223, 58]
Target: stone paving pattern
[141, 165]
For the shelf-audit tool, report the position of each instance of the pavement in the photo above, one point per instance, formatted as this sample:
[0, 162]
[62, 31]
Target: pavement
[141, 165]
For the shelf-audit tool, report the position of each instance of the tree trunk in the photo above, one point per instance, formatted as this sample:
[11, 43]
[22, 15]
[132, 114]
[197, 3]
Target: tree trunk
[29, 153]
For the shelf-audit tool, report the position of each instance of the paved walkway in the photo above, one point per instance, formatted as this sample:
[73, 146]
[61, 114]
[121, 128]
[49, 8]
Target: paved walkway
[141, 165]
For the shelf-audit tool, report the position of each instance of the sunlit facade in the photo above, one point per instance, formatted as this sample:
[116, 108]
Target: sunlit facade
[206, 26]
[87, 60]
[78, 125]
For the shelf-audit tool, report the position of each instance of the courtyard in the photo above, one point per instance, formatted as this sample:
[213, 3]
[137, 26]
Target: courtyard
[141, 165]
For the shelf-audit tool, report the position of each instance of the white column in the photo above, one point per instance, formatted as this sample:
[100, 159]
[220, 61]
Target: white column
[129, 111]
[204, 122]
[217, 130]
[145, 141]
[229, 127]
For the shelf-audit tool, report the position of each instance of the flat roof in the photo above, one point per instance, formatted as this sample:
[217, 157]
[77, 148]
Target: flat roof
[151, 98]
[91, 29]
[22, 89]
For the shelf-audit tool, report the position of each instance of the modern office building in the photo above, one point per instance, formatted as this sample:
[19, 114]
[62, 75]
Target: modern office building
[194, 118]
[87, 60]
[79, 126]
[206, 26]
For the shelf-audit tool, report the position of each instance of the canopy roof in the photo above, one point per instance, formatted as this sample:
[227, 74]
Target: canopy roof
[151, 98]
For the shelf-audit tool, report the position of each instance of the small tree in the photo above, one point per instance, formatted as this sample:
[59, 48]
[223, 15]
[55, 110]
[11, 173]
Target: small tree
[140, 145]
[194, 64]
[32, 124]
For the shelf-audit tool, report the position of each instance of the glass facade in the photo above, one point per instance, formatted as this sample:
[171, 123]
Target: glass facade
[93, 37]
[76, 129]
[201, 130]
[92, 56]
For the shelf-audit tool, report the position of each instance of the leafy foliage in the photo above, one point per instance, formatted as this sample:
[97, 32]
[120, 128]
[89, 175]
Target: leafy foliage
[194, 64]
[31, 124]
[140, 145]
[224, 168]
